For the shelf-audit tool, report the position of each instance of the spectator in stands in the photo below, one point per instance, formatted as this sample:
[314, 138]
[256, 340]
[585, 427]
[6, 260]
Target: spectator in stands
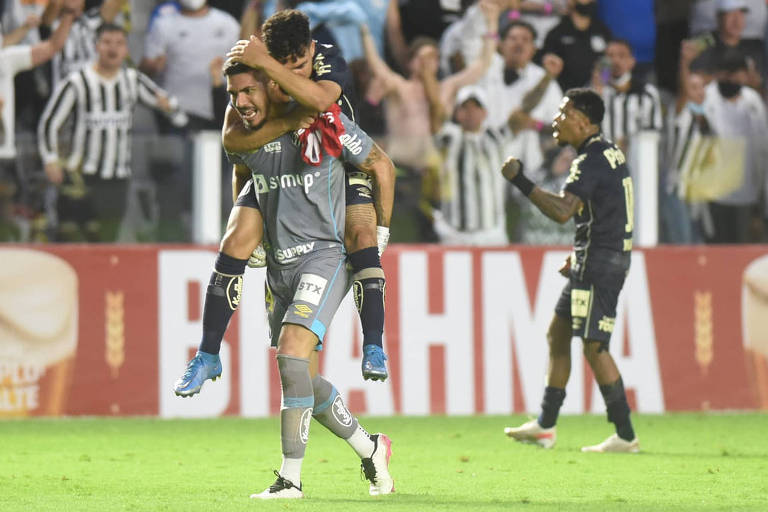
[80, 49]
[18, 26]
[579, 40]
[466, 196]
[525, 96]
[687, 123]
[731, 20]
[631, 105]
[512, 76]
[738, 112]
[704, 18]
[410, 119]
[93, 182]
[408, 20]
[14, 59]
[543, 15]
[179, 49]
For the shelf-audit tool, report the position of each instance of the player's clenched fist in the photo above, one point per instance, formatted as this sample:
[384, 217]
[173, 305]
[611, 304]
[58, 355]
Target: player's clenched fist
[512, 166]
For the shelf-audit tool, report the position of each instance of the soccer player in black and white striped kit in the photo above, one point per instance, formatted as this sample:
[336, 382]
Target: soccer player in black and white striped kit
[93, 178]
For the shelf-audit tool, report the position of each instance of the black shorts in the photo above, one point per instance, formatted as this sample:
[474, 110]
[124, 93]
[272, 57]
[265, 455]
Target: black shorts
[247, 196]
[358, 188]
[590, 302]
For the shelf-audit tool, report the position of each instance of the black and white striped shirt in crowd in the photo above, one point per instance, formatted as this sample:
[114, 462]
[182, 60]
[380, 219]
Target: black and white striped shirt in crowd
[627, 113]
[80, 46]
[472, 189]
[102, 112]
[682, 129]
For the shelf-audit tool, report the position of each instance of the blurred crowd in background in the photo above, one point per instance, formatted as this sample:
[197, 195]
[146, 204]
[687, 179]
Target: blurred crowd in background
[101, 100]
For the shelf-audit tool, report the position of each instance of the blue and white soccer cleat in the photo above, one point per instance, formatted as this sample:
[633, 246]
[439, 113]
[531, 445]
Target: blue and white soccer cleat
[374, 367]
[202, 367]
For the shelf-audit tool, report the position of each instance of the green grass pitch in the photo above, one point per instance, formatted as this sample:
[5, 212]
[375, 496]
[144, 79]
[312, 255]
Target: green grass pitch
[688, 462]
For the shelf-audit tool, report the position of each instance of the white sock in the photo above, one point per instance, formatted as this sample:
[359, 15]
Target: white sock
[291, 470]
[361, 442]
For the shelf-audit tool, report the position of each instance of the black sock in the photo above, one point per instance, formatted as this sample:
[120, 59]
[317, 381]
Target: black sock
[550, 406]
[221, 300]
[368, 287]
[618, 409]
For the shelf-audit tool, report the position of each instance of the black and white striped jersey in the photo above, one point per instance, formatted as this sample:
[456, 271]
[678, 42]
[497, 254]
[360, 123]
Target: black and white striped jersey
[472, 190]
[80, 46]
[102, 115]
[627, 113]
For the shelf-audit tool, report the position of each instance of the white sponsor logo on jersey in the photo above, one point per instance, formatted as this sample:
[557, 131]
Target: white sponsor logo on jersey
[291, 253]
[352, 142]
[266, 183]
[273, 147]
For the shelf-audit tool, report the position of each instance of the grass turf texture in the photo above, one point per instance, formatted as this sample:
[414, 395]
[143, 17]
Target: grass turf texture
[688, 462]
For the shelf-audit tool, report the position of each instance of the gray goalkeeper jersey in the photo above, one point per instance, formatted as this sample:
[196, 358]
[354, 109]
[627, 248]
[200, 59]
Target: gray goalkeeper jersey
[302, 204]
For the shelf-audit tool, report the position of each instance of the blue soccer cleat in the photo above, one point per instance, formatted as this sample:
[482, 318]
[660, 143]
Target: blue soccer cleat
[374, 367]
[202, 367]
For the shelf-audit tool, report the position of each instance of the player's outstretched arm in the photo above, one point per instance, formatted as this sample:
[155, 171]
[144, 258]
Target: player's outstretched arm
[237, 138]
[558, 207]
[378, 165]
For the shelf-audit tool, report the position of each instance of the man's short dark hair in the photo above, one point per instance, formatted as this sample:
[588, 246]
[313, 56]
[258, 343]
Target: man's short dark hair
[519, 23]
[232, 67]
[286, 35]
[110, 27]
[588, 102]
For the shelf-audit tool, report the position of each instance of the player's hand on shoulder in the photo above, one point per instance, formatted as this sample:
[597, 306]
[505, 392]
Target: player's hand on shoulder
[511, 168]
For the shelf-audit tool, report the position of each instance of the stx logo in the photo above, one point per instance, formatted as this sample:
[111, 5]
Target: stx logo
[311, 288]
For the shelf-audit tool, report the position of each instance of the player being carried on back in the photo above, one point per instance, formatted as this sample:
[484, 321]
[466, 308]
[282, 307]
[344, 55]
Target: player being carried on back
[316, 76]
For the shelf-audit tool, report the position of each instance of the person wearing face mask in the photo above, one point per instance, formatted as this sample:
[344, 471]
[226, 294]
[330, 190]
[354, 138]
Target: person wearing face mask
[178, 51]
[737, 112]
[631, 105]
[579, 39]
[687, 123]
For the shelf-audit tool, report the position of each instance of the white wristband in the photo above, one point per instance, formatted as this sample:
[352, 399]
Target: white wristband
[382, 238]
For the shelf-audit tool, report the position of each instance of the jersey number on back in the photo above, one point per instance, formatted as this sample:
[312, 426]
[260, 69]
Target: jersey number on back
[629, 202]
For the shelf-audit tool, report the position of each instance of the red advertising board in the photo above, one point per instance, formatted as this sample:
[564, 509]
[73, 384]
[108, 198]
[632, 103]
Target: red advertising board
[105, 330]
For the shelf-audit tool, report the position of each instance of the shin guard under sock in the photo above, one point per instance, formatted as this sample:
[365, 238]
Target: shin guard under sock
[618, 409]
[368, 291]
[221, 300]
[550, 406]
